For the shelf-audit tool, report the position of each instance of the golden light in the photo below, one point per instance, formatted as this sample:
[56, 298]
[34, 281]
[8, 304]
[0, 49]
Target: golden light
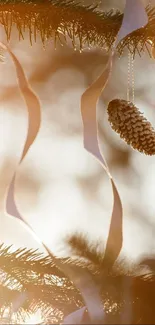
[34, 319]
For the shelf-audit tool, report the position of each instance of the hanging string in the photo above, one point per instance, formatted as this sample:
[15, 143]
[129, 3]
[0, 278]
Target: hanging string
[150, 3]
[129, 76]
[133, 78]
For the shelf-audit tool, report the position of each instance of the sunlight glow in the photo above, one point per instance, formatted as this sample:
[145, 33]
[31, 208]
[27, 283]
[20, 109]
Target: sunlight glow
[34, 319]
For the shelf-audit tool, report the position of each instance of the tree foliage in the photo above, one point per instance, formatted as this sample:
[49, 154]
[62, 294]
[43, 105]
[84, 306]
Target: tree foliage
[30, 281]
[84, 25]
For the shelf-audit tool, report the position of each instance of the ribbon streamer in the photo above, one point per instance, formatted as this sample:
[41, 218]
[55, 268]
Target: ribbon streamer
[135, 17]
[89, 291]
[81, 278]
[76, 317]
[34, 121]
[88, 111]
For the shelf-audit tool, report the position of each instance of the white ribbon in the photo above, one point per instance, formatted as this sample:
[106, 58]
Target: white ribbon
[75, 317]
[135, 17]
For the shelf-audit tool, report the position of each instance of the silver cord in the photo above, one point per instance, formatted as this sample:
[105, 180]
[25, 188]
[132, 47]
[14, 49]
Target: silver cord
[131, 77]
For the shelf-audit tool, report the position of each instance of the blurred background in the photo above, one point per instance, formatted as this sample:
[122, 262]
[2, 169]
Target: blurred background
[60, 189]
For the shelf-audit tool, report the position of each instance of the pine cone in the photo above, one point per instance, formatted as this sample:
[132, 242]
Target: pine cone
[126, 119]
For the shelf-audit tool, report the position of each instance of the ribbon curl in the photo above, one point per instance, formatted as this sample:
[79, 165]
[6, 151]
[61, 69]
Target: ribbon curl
[135, 17]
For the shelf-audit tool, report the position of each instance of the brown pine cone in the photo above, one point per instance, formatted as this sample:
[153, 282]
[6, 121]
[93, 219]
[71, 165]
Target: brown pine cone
[126, 119]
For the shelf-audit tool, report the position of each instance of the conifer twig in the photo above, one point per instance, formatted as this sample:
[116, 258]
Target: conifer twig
[56, 296]
[84, 25]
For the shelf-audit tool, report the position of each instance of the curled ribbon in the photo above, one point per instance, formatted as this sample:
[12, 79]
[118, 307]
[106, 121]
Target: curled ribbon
[134, 18]
[34, 121]
[80, 277]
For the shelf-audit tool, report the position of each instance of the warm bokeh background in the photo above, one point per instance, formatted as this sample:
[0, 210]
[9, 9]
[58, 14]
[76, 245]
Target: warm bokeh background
[61, 189]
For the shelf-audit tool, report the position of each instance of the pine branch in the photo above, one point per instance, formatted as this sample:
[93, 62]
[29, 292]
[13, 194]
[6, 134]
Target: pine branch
[93, 257]
[81, 247]
[45, 297]
[27, 260]
[46, 288]
[29, 267]
[86, 25]
[55, 296]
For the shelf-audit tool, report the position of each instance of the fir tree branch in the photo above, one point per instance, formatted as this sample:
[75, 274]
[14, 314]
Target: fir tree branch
[56, 301]
[86, 25]
[82, 248]
[46, 288]
[28, 260]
